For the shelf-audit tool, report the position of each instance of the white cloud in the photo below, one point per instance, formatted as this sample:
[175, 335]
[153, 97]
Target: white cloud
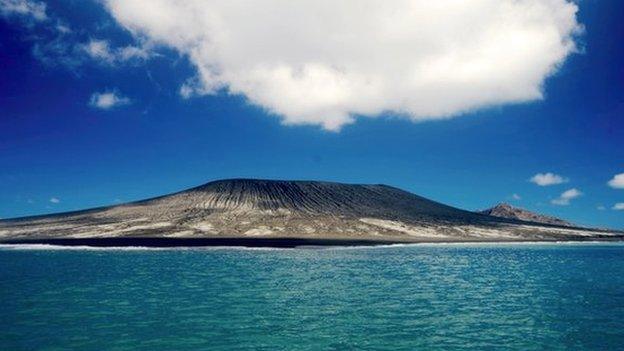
[55, 43]
[601, 208]
[516, 197]
[107, 100]
[186, 91]
[54, 200]
[101, 50]
[565, 198]
[546, 179]
[33, 9]
[618, 206]
[191, 88]
[132, 52]
[617, 182]
[324, 62]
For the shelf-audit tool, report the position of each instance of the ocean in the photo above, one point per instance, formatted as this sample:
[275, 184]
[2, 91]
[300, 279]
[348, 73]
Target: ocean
[411, 297]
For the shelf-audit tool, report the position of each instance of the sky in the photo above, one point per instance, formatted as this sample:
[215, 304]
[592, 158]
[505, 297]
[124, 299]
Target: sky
[466, 103]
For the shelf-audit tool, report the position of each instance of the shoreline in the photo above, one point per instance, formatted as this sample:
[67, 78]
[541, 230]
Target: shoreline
[264, 242]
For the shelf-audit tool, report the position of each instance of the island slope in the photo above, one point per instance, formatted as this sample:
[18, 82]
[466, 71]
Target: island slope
[276, 209]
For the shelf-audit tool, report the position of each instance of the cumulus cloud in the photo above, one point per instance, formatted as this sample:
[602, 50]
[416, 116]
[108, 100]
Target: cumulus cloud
[101, 50]
[107, 100]
[54, 200]
[618, 206]
[617, 182]
[324, 62]
[31, 9]
[565, 198]
[546, 179]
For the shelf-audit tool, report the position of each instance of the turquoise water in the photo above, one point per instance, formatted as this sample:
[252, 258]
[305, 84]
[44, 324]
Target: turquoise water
[446, 297]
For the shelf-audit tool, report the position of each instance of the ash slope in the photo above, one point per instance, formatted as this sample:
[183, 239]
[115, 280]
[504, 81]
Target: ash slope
[507, 211]
[248, 208]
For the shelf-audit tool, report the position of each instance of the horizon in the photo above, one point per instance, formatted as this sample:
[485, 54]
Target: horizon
[102, 104]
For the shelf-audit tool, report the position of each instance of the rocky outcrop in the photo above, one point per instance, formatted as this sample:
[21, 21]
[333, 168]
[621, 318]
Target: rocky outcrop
[504, 210]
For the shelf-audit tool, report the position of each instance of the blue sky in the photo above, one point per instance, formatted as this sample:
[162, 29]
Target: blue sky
[94, 111]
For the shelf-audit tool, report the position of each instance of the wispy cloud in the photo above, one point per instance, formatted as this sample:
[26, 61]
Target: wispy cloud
[516, 197]
[546, 179]
[55, 43]
[102, 51]
[55, 200]
[565, 197]
[62, 28]
[191, 88]
[35, 10]
[99, 50]
[617, 182]
[618, 206]
[107, 100]
[601, 208]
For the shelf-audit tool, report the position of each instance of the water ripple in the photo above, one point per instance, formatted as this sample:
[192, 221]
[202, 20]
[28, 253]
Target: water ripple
[460, 297]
